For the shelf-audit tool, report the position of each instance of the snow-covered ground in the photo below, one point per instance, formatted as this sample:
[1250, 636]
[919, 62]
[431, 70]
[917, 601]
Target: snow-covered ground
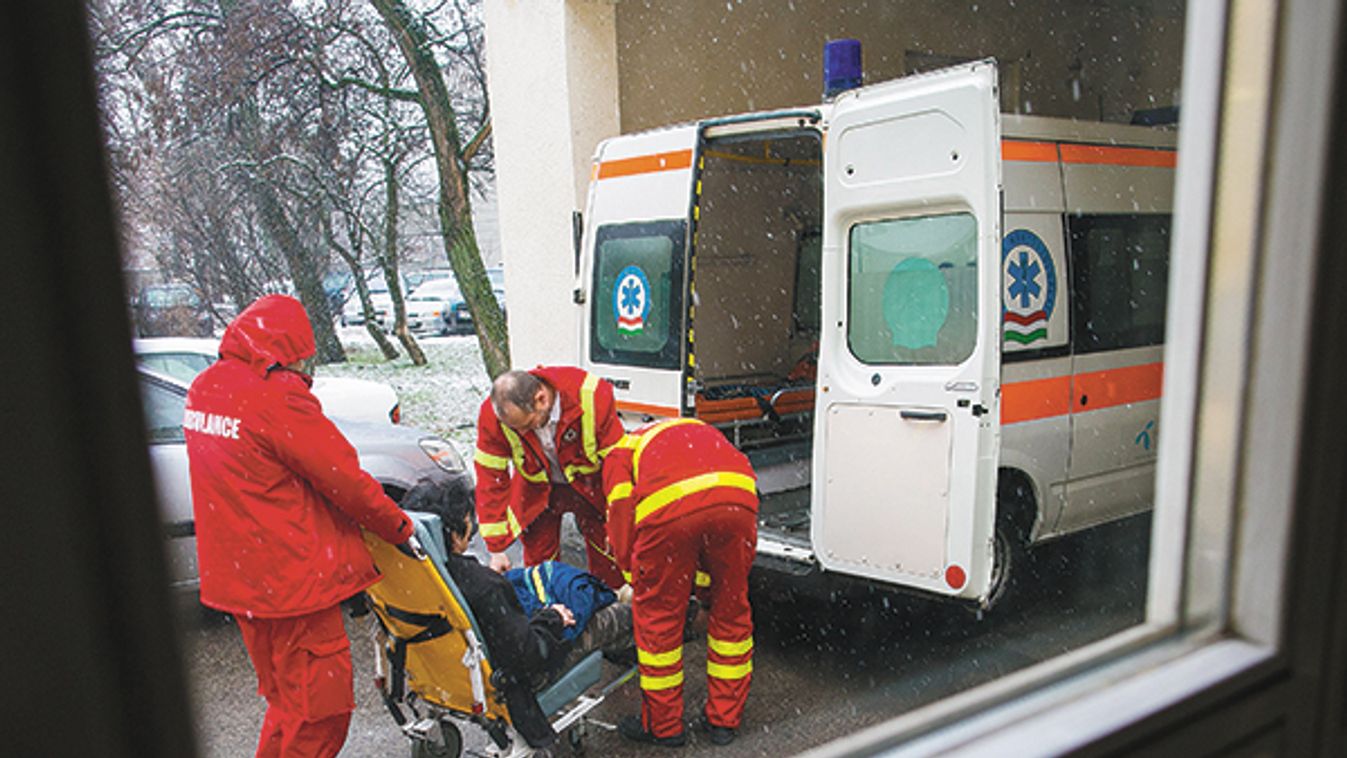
[441, 397]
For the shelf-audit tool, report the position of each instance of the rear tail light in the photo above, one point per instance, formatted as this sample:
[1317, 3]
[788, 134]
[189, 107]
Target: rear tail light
[395, 415]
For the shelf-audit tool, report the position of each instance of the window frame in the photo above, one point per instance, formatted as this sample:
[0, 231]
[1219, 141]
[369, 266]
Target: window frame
[1249, 191]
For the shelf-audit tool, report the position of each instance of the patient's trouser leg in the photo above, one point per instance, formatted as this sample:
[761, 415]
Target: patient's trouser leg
[303, 666]
[542, 538]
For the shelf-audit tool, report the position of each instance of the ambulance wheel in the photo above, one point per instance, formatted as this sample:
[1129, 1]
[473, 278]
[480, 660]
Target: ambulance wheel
[450, 744]
[1008, 559]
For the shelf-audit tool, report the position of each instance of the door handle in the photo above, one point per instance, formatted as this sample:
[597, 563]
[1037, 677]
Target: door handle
[924, 415]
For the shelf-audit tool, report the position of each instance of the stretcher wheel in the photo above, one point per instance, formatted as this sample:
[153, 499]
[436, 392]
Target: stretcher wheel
[576, 739]
[450, 744]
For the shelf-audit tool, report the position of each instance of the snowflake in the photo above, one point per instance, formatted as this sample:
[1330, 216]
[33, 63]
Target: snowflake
[1025, 285]
[631, 296]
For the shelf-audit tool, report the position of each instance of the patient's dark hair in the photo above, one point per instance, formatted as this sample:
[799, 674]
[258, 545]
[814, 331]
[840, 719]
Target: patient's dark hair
[449, 498]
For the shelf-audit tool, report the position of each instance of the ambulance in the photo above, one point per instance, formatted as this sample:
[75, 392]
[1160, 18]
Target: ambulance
[936, 330]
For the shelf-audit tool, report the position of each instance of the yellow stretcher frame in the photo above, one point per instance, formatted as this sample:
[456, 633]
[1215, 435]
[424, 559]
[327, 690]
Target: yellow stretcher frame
[445, 661]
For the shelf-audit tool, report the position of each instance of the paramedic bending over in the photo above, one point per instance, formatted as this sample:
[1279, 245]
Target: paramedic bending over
[277, 494]
[539, 436]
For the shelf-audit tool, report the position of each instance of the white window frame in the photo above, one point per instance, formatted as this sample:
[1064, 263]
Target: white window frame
[1248, 199]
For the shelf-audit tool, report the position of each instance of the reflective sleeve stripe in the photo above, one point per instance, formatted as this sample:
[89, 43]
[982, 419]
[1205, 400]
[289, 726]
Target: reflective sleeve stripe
[601, 550]
[721, 647]
[703, 579]
[587, 435]
[515, 528]
[649, 435]
[619, 491]
[580, 469]
[487, 460]
[625, 442]
[627, 576]
[653, 683]
[494, 529]
[535, 574]
[517, 453]
[667, 658]
[690, 486]
[721, 671]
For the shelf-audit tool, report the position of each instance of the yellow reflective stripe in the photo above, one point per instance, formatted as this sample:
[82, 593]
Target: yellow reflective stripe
[491, 461]
[652, 683]
[626, 442]
[517, 453]
[580, 469]
[619, 491]
[627, 576]
[536, 575]
[721, 671]
[515, 528]
[667, 658]
[587, 388]
[690, 486]
[702, 579]
[721, 647]
[494, 529]
[651, 434]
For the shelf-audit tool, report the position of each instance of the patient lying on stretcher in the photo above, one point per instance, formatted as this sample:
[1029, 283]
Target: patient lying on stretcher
[574, 612]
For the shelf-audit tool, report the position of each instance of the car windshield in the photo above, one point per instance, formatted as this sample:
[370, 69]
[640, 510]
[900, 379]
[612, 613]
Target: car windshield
[437, 289]
[182, 366]
[167, 297]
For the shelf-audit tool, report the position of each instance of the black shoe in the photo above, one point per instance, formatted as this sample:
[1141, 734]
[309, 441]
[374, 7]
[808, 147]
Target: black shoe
[720, 735]
[624, 657]
[631, 728]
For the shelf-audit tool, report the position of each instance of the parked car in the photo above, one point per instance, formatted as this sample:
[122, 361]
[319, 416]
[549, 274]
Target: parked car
[161, 310]
[353, 314]
[437, 307]
[397, 456]
[182, 358]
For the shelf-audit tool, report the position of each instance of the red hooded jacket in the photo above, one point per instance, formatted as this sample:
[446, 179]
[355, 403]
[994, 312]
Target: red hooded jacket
[277, 491]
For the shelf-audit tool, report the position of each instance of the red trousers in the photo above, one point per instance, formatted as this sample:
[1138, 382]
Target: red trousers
[303, 666]
[722, 541]
[542, 538]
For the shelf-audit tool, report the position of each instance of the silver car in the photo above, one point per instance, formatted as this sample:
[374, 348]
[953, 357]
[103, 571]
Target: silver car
[397, 456]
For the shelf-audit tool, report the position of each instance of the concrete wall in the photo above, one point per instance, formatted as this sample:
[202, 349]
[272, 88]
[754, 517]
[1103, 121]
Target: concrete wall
[553, 91]
[564, 74]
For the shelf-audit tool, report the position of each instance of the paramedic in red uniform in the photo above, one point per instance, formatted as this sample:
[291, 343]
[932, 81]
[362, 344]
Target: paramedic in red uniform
[278, 497]
[680, 496]
[539, 439]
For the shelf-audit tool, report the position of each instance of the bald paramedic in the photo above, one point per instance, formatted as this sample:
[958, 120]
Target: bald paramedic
[539, 438]
[279, 497]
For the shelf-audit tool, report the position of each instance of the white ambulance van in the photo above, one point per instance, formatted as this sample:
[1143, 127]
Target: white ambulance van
[936, 330]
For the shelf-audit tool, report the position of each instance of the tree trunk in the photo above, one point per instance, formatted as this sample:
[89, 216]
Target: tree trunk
[455, 208]
[390, 265]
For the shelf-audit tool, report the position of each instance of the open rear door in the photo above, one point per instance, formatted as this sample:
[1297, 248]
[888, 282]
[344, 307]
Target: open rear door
[906, 428]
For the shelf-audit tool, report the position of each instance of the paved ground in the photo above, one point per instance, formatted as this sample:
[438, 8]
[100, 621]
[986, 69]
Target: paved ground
[824, 667]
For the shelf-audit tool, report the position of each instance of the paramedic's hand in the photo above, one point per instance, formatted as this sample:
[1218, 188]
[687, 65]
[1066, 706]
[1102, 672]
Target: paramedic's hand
[500, 563]
[567, 618]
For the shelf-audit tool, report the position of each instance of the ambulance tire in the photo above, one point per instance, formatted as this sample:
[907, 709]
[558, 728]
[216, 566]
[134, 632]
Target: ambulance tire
[1009, 563]
[450, 744]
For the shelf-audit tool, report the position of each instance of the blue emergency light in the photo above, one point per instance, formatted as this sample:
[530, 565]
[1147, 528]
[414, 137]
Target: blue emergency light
[841, 66]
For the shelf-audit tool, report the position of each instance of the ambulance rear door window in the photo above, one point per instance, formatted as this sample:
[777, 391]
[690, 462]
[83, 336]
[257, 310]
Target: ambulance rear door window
[638, 294]
[1119, 276]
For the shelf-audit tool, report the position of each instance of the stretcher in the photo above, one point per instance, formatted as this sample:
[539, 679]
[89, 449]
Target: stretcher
[434, 671]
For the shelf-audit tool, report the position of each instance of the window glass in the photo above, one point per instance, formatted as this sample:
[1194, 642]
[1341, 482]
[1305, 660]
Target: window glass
[1120, 271]
[638, 284]
[912, 290]
[181, 366]
[163, 412]
[807, 283]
